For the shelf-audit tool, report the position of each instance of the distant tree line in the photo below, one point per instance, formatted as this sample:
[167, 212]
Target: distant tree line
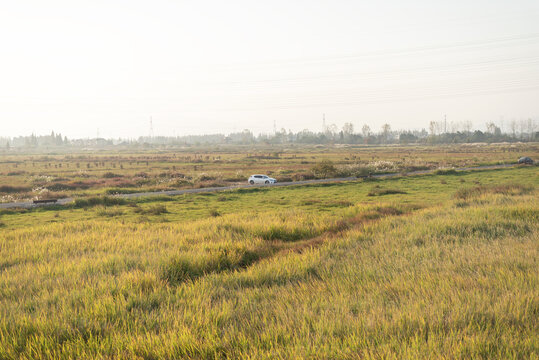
[34, 141]
[438, 133]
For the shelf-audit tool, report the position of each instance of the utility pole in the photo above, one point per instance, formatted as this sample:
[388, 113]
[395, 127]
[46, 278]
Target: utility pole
[151, 127]
[445, 124]
[274, 127]
[324, 122]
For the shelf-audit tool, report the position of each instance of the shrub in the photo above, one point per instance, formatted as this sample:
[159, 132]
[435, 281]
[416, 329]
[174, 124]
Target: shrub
[286, 234]
[182, 182]
[300, 177]
[354, 170]
[13, 189]
[109, 212]
[152, 210]
[206, 177]
[381, 192]
[13, 211]
[117, 191]
[324, 169]
[446, 172]
[110, 175]
[178, 270]
[95, 201]
[284, 179]
[225, 198]
[183, 268]
[411, 168]
[116, 182]
[212, 184]
[338, 204]
[61, 187]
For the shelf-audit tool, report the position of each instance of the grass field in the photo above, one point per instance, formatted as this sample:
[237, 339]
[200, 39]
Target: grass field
[433, 266]
[25, 176]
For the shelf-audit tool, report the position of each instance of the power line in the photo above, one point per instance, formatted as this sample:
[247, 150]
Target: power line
[470, 45]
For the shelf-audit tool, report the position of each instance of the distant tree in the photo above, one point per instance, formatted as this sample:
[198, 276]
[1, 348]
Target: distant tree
[432, 128]
[491, 128]
[522, 125]
[407, 137]
[332, 129]
[386, 131]
[531, 128]
[513, 126]
[468, 126]
[348, 129]
[366, 131]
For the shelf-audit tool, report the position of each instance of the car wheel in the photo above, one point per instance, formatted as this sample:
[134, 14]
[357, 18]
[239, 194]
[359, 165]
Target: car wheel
[267, 182]
[252, 182]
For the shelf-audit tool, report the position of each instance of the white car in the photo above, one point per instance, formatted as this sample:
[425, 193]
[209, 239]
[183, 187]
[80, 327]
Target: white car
[261, 179]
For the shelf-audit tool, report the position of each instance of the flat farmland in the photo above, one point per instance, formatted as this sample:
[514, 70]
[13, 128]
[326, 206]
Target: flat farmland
[27, 176]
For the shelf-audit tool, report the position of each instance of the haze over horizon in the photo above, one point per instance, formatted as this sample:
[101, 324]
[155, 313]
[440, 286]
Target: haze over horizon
[208, 67]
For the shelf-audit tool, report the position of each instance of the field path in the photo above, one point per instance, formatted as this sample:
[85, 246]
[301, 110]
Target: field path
[29, 204]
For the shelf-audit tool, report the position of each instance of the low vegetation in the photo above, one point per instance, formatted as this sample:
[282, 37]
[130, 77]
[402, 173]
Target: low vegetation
[151, 210]
[428, 270]
[505, 189]
[98, 200]
[27, 176]
[378, 191]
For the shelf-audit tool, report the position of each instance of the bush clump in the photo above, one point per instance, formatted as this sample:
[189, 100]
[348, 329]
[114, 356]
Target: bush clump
[109, 212]
[152, 210]
[96, 201]
[183, 268]
[214, 213]
[446, 172]
[324, 169]
[61, 187]
[111, 175]
[286, 234]
[381, 192]
[13, 189]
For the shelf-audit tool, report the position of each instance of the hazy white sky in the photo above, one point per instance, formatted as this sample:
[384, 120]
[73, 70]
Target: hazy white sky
[220, 66]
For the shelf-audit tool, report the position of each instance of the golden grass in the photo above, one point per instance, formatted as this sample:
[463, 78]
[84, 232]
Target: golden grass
[382, 280]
